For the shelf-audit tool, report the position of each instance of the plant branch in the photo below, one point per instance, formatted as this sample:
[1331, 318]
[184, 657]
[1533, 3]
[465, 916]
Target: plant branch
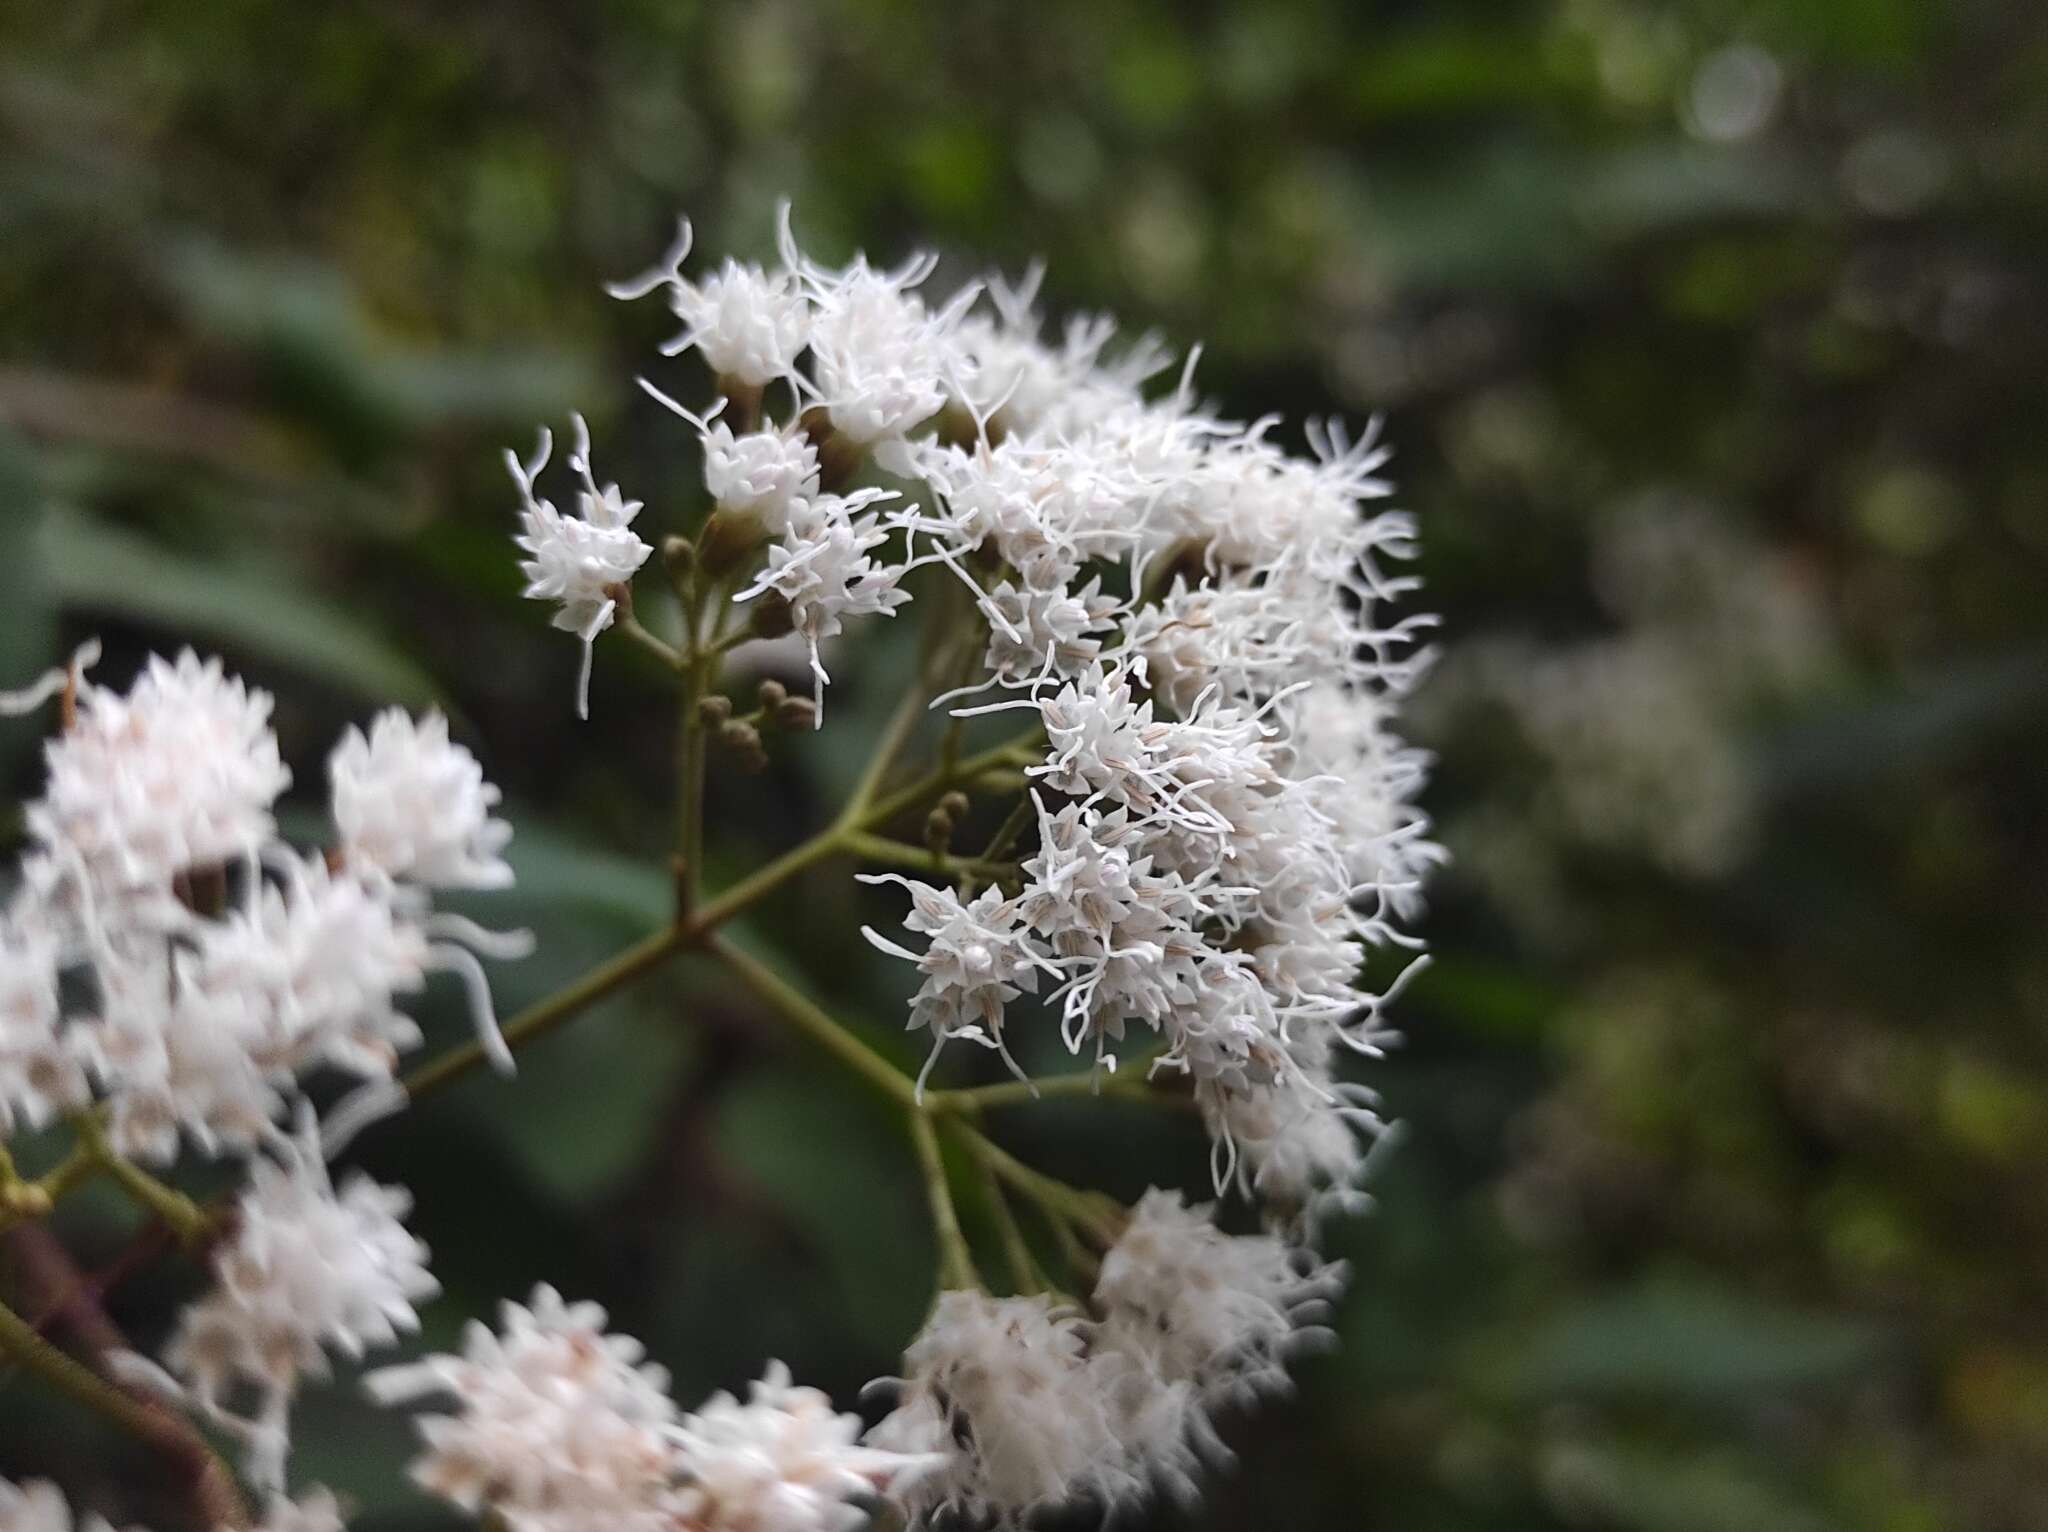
[535, 1021]
[810, 1018]
[896, 853]
[629, 627]
[956, 1261]
[151, 1423]
[1025, 1271]
[1100, 1216]
[895, 733]
[1128, 1084]
[180, 1213]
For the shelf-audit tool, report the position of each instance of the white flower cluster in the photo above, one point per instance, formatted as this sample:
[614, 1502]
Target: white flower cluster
[39, 1506]
[170, 970]
[1197, 618]
[562, 1427]
[1197, 624]
[219, 964]
[1031, 1403]
[309, 1265]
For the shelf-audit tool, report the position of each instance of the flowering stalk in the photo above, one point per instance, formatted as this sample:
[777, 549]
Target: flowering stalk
[1206, 825]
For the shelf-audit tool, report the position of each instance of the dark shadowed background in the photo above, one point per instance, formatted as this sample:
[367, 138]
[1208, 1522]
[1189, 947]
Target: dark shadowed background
[1711, 341]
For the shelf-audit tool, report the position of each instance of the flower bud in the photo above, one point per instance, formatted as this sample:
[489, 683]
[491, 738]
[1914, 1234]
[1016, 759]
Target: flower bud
[955, 804]
[715, 709]
[744, 741]
[795, 713]
[771, 693]
[678, 556]
[771, 617]
[729, 537]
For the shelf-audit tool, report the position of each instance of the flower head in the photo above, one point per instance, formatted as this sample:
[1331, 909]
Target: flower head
[581, 561]
[784, 1461]
[180, 772]
[411, 803]
[558, 1427]
[309, 1267]
[1001, 1389]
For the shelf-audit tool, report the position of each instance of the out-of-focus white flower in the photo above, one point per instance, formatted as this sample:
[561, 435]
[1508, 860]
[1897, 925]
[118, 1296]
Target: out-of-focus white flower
[784, 1461]
[309, 1266]
[173, 1056]
[39, 1506]
[1001, 1389]
[558, 1427]
[1301, 1140]
[315, 1511]
[413, 804]
[181, 772]
[1221, 1311]
[40, 1075]
[578, 561]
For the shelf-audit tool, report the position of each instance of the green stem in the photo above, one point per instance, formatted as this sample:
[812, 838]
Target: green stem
[896, 853]
[630, 628]
[1127, 1084]
[1025, 1271]
[810, 1018]
[956, 1262]
[535, 1021]
[184, 1217]
[715, 912]
[1100, 1216]
[1011, 753]
[690, 746]
[895, 733]
[166, 1432]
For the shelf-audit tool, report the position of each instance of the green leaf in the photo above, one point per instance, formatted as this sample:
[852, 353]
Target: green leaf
[1605, 1485]
[587, 1103]
[98, 569]
[1688, 1340]
[557, 873]
[839, 1168]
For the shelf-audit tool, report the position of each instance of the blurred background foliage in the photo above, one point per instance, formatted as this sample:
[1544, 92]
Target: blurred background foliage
[1711, 340]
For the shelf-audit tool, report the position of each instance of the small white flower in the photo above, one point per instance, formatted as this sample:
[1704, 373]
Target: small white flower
[1001, 1388]
[824, 569]
[1221, 1311]
[1045, 630]
[175, 1056]
[763, 474]
[1300, 1140]
[978, 958]
[559, 1426]
[39, 1506]
[181, 772]
[309, 1266]
[578, 561]
[784, 1461]
[879, 357]
[1006, 373]
[315, 1511]
[414, 805]
[40, 1076]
